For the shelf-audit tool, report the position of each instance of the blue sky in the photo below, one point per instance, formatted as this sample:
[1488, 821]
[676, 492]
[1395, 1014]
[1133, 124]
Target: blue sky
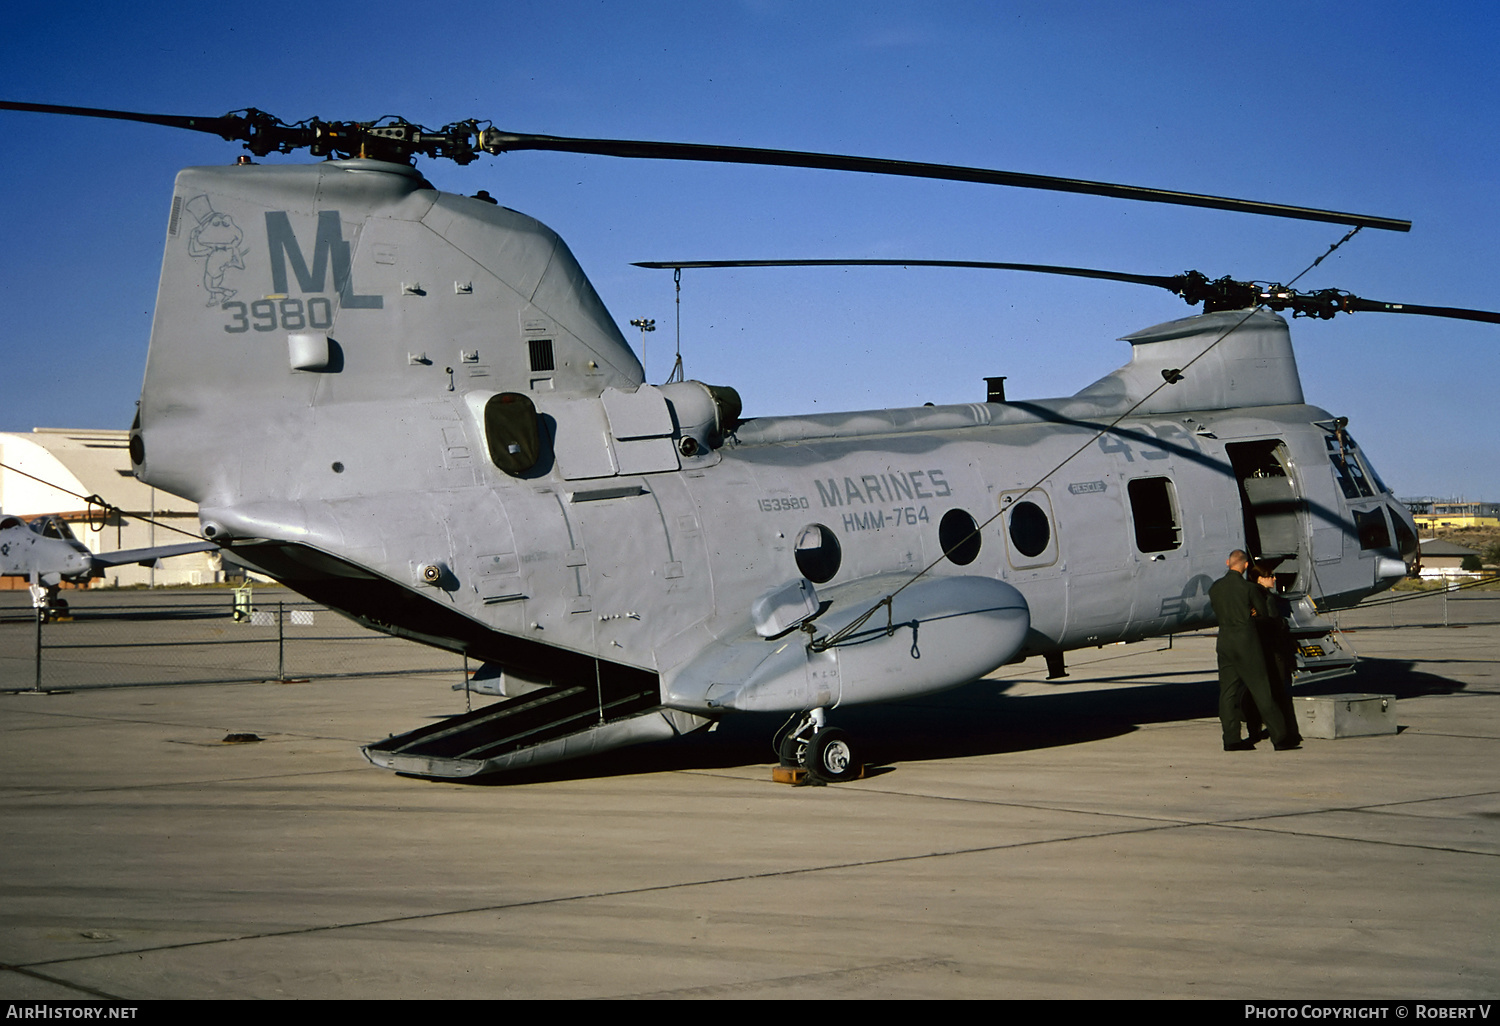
[1377, 107]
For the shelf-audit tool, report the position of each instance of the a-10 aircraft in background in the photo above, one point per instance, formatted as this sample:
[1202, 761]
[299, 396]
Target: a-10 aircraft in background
[458, 446]
[45, 551]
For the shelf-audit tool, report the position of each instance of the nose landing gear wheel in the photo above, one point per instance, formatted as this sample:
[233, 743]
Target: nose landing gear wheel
[831, 757]
[793, 751]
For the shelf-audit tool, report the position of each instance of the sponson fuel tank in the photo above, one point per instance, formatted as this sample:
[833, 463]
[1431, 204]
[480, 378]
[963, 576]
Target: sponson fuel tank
[935, 633]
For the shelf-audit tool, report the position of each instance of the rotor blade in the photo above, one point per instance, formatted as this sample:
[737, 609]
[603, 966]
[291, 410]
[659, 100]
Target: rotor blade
[498, 142]
[1354, 303]
[263, 133]
[224, 127]
[1170, 283]
[1192, 286]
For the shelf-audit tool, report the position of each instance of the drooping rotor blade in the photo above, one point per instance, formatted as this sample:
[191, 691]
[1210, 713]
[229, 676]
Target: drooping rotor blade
[397, 139]
[1351, 304]
[497, 142]
[385, 139]
[1228, 294]
[1160, 281]
[224, 127]
[1193, 286]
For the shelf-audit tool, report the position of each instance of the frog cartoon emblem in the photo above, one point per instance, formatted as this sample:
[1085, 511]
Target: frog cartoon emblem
[216, 241]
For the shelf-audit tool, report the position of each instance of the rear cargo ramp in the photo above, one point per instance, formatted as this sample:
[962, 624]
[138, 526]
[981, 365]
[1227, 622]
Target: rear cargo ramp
[536, 728]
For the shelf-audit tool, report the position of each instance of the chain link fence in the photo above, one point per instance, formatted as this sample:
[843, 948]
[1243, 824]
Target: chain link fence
[146, 638]
[1457, 606]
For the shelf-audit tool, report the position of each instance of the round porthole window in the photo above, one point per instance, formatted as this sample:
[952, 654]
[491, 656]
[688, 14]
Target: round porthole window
[959, 537]
[818, 553]
[1029, 530]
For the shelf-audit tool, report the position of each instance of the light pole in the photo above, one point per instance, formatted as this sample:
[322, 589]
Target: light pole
[645, 324]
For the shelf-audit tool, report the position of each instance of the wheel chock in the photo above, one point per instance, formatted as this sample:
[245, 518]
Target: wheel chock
[788, 774]
[797, 775]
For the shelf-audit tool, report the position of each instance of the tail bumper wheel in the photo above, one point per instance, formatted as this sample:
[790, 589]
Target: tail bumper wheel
[831, 756]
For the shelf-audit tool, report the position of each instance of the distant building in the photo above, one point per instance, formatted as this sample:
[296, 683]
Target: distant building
[1441, 515]
[1445, 559]
[48, 470]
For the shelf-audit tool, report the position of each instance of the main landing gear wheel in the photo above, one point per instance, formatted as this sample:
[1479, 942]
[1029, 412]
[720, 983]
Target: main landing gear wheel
[831, 757]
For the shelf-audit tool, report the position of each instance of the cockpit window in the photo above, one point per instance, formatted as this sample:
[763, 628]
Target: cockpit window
[1341, 475]
[8, 523]
[1373, 533]
[1346, 468]
[1406, 541]
[52, 527]
[1364, 458]
[1352, 462]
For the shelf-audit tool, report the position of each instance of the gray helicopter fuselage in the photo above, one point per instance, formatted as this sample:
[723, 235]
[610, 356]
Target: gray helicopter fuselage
[329, 343]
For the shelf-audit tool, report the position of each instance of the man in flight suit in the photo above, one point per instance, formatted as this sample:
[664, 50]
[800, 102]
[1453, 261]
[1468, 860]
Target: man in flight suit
[1242, 663]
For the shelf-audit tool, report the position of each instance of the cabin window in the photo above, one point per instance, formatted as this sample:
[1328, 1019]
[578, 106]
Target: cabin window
[959, 537]
[1029, 530]
[1373, 534]
[1153, 506]
[818, 553]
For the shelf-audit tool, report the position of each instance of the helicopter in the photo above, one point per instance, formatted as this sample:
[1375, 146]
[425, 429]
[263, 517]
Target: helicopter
[46, 552]
[461, 448]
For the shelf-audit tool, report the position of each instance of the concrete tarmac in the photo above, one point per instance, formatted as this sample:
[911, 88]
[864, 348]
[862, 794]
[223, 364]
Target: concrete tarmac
[1016, 838]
